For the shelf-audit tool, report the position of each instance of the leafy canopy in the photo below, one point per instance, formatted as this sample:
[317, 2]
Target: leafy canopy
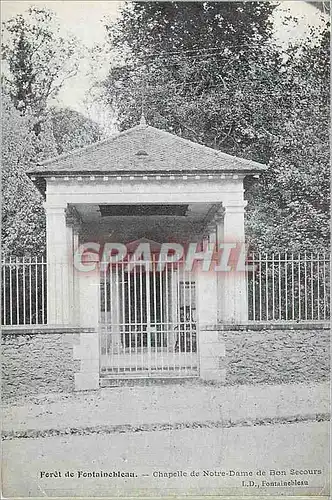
[38, 59]
[212, 72]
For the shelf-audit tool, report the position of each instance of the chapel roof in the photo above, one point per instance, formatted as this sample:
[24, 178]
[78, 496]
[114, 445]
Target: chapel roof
[144, 149]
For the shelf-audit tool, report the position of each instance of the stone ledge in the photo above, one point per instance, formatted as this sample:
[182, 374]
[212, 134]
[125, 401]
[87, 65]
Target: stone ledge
[41, 329]
[267, 325]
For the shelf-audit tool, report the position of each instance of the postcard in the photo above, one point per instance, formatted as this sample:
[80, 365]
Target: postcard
[165, 249]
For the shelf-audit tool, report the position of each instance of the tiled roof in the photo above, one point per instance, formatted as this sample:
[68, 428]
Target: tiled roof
[145, 149]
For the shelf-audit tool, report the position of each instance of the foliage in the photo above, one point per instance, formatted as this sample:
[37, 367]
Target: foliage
[23, 219]
[38, 59]
[289, 208]
[23, 216]
[73, 130]
[193, 65]
[211, 72]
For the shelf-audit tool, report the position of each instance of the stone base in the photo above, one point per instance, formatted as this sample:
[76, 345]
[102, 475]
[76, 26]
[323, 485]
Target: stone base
[212, 354]
[86, 381]
[87, 352]
[214, 375]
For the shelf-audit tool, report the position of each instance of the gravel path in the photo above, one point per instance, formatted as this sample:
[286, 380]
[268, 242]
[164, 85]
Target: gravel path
[126, 428]
[153, 406]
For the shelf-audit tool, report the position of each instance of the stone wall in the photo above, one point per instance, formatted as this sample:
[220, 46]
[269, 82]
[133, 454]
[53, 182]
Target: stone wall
[38, 363]
[43, 362]
[276, 356]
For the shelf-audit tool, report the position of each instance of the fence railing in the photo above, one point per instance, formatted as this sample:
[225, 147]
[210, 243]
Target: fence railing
[148, 319]
[23, 291]
[289, 287]
[280, 287]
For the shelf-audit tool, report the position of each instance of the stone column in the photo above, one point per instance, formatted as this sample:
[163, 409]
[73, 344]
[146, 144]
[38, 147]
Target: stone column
[233, 282]
[59, 305]
[73, 222]
[89, 298]
[88, 350]
[219, 222]
[211, 350]
[76, 290]
[70, 270]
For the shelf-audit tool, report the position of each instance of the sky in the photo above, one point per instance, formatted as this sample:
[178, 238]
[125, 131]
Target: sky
[83, 19]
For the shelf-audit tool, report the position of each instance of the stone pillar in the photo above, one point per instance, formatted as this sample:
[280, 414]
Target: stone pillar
[89, 297]
[76, 290]
[219, 231]
[59, 298]
[73, 222]
[88, 350]
[211, 350]
[233, 282]
[70, 269]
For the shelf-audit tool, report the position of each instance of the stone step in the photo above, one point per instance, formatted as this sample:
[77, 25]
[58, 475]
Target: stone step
[139, 380]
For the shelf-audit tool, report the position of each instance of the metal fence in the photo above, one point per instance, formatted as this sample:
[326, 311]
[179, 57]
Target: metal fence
[289, 287]
[23, 293]
[280, 287]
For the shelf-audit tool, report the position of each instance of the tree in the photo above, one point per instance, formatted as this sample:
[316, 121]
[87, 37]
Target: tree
[23, 218]
[73, 130]
[38, 59]
[289, 208]
[211, 72]
[193, 65]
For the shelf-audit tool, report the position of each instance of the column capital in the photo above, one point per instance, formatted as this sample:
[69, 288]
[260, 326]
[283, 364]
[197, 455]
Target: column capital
[234, 205]
[55, 209]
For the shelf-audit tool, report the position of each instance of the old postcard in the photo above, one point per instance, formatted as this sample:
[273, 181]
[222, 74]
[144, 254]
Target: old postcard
[165, 279]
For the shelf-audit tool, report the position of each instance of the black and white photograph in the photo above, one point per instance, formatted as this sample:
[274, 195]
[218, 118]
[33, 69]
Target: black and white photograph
[166, 264]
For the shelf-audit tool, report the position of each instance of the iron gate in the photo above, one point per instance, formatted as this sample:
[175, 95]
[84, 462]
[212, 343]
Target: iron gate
[148, 320]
